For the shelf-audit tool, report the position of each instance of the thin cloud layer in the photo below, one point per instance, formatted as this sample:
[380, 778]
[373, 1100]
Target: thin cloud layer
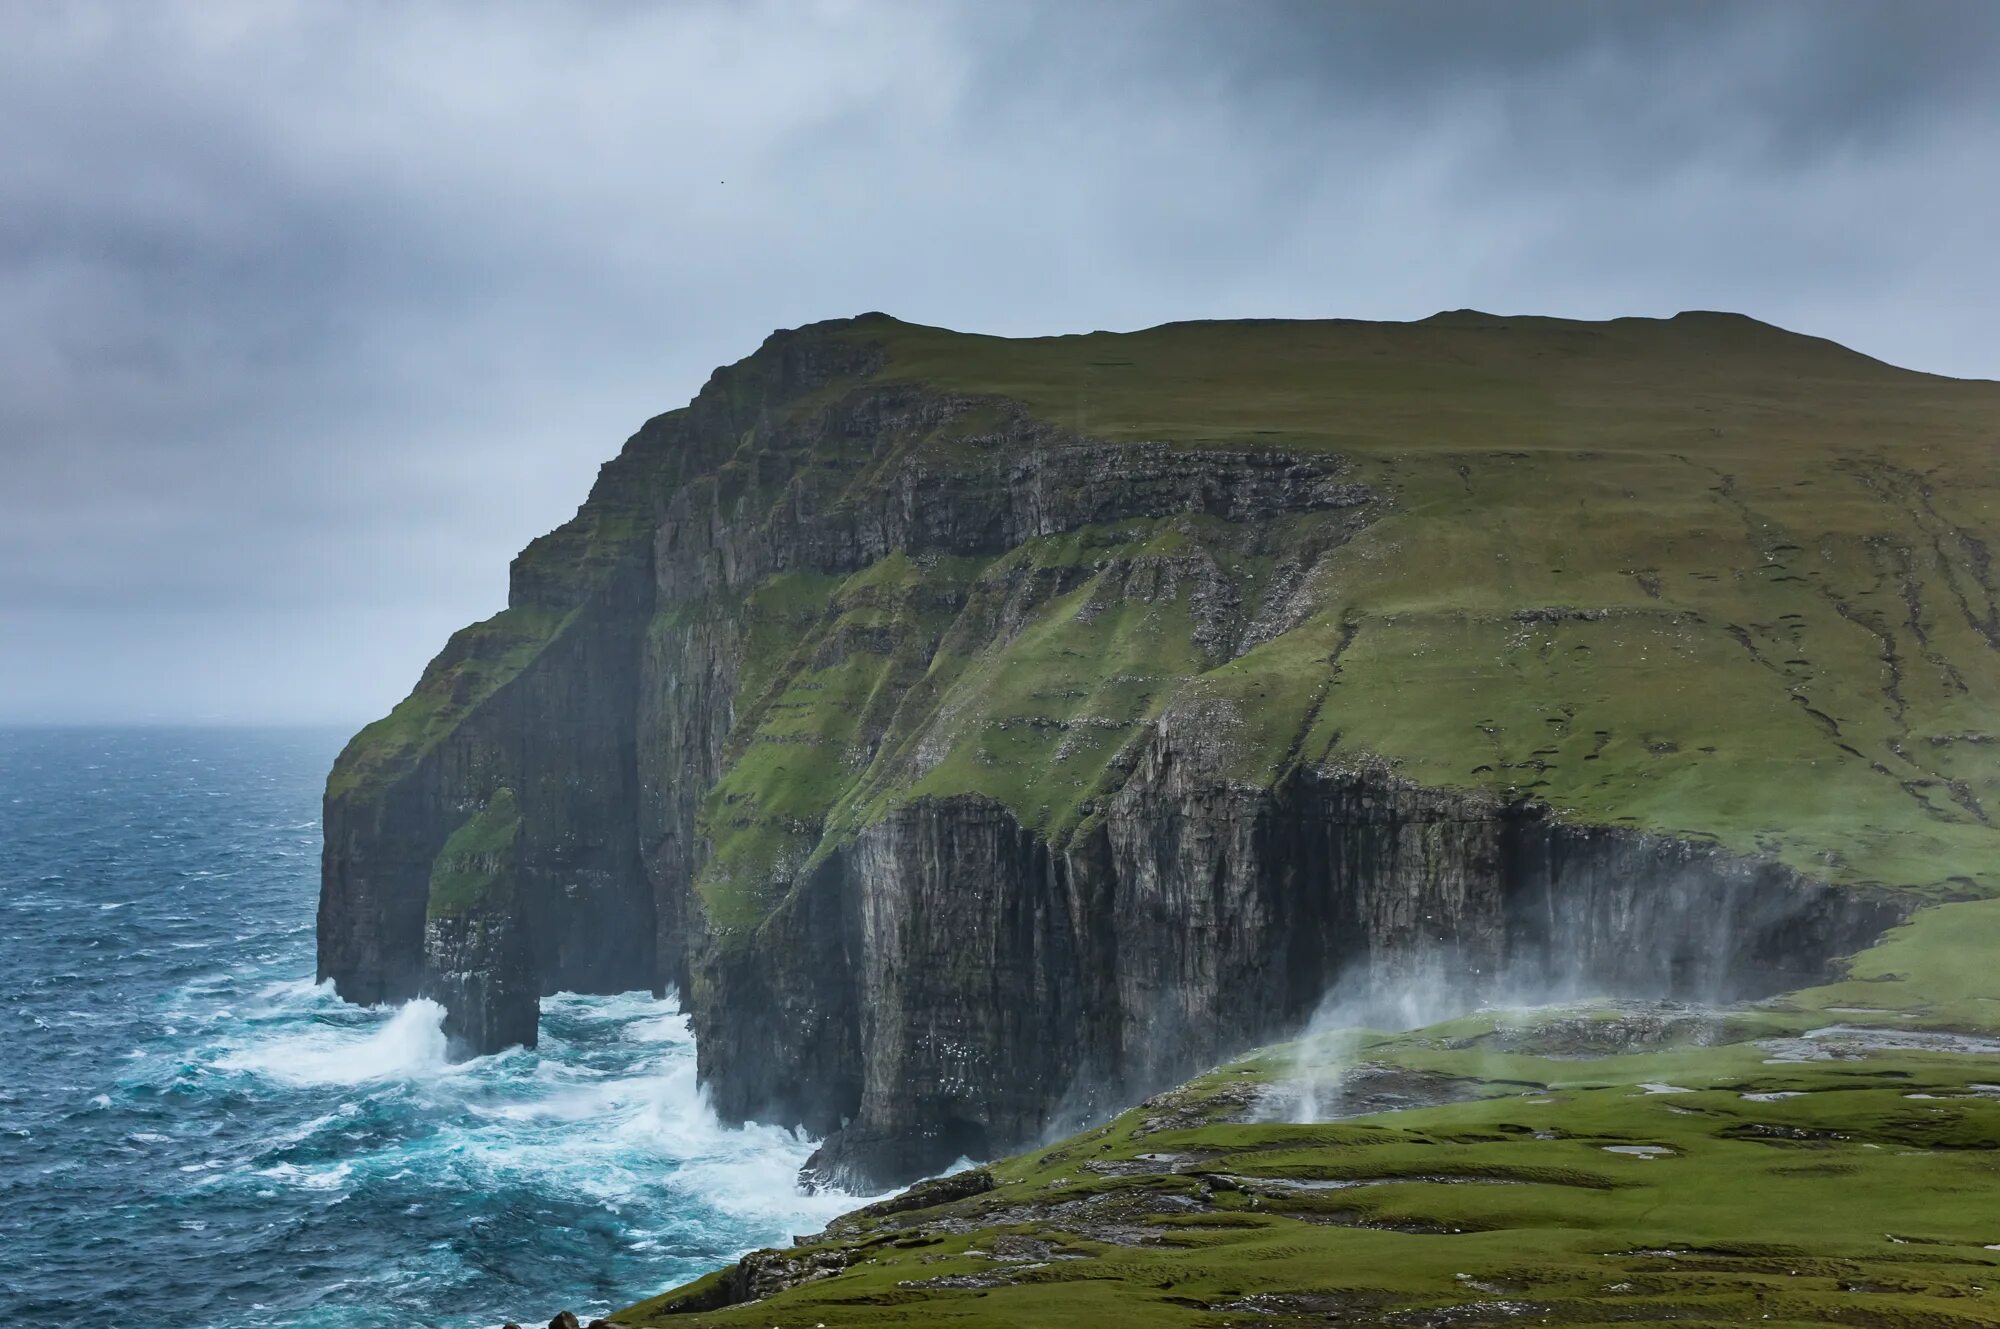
[312, 314]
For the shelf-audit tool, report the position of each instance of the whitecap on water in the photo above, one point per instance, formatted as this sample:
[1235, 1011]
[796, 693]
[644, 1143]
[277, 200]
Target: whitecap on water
[347, 1173]
[620, 1138]
[607, 1113]
[311, 1179]
[299, 991]
[672, 1028]
[410, 1045]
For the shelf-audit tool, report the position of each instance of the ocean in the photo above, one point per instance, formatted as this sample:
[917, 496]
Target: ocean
[193, 1133]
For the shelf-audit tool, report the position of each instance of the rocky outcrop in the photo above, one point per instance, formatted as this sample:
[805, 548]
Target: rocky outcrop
[479, 968]
[706, 721]
[477, 960]
[559, 736]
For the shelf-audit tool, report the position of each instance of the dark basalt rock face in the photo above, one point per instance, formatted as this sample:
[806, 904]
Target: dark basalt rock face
[562, 735]
[946, 981]
[481, 970]
[1001, 988]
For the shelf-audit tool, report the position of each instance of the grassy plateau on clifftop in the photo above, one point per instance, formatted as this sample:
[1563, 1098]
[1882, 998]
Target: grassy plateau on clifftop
[1695, 575]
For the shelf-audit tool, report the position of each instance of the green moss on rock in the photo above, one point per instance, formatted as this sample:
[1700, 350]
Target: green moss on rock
[1696, 576]
[474, 870]
[475, 664]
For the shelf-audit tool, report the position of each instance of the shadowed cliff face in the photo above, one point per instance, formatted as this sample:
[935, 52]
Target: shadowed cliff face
[969, 775]
[997, 990]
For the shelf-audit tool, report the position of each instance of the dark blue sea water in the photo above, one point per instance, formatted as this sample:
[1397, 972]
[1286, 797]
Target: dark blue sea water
[193, 1134]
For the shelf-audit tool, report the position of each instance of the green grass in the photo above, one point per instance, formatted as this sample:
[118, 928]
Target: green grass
[1864, 1198]
[1942, 969]
[1468, 383]
[907, 681]
[828, 662]
[474, 665]
[473, 864]
[1042, 712]
[1698, 576]
[1694, 575]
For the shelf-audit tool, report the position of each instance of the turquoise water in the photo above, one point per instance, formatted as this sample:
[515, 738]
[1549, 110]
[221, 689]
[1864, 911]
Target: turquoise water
[194, 1134]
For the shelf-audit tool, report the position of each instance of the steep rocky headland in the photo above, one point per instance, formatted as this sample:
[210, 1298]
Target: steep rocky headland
[981, 734]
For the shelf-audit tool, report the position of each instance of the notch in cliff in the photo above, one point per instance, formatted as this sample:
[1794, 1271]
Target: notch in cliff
[975, 729]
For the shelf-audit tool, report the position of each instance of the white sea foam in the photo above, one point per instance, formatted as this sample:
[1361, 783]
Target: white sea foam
[297, 991]
[410, 1045]
[307, 1178]
[273, 1118]
[618, 1138]
[608, 1111]
[672, 1027]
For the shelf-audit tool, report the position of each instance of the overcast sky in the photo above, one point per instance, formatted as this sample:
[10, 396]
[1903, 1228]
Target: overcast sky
[312, 314]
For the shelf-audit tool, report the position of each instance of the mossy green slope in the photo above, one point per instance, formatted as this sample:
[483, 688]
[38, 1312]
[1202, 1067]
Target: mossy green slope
[1697, 575]
[472, 666]
[471, 871]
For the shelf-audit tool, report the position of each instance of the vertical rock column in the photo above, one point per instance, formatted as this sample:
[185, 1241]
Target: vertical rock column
[477, 961]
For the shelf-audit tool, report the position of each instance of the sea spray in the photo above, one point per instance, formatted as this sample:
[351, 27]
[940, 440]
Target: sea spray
[409, 1044]
[1362, 1006]
[1412, 993]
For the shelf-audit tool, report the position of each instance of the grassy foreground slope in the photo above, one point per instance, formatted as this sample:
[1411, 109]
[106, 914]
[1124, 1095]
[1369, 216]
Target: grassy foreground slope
[1803, 1162]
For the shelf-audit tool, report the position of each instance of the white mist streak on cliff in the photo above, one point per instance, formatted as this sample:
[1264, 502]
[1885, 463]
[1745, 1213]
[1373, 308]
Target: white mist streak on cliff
[1414, 993]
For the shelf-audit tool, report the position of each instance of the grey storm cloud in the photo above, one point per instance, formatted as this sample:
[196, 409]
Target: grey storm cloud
[311, 314]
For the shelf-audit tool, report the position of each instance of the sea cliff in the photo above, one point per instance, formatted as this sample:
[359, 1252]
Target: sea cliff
[982, 734]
